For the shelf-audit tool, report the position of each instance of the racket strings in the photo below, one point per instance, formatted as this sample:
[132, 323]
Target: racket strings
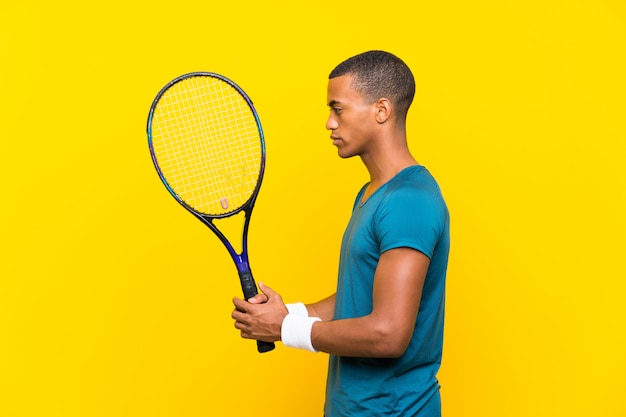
[207, 143]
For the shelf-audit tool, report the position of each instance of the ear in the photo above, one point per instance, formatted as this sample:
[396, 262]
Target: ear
[383, 110]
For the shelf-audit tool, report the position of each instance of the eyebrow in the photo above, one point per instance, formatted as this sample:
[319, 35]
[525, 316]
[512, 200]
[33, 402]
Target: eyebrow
[333, 102]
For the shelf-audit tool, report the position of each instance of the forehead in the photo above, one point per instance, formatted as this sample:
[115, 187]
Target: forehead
[340, 90]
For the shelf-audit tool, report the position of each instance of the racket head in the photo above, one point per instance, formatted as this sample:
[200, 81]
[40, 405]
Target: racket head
[207, 144]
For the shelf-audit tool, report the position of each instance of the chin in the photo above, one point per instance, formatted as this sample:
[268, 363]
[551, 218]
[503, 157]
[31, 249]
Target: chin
[345, 154]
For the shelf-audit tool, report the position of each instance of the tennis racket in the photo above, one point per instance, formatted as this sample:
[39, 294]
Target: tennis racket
[207, 145]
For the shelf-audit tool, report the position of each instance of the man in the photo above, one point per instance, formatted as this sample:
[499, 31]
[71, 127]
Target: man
[383, 328]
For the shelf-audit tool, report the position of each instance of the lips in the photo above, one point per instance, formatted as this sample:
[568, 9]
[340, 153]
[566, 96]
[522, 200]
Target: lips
[335, 140]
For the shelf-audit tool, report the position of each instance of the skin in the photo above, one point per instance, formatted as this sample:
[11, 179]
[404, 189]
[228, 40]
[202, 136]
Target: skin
[376, 134]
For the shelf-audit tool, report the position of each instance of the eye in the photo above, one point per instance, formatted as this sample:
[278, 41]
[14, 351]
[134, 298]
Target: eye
[335, 110]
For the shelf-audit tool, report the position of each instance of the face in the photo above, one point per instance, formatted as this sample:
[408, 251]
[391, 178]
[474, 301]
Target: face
[351, 120]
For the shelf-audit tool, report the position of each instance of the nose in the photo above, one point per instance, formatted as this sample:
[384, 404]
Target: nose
[331, 123]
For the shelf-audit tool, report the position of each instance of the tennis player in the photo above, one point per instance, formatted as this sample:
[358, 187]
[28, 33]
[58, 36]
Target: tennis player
[383, 328]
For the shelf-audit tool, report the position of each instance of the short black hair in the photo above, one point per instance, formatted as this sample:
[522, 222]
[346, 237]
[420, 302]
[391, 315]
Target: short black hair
[380, 74]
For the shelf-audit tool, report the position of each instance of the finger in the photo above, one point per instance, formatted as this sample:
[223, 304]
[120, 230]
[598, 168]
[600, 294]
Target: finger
[243, 331]
[270, 293]
[238, 325]
[238, 316]
[258, 299]
[240, 304]
[246, 335]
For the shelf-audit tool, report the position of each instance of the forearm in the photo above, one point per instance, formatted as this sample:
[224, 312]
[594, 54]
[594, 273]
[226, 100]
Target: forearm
[324, 309]
[367, 336]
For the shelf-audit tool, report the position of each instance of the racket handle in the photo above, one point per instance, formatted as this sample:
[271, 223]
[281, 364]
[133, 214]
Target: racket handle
[263, 347]
[249, 290]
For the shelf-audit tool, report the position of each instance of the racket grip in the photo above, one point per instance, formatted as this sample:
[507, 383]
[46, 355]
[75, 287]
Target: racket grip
[249, 290]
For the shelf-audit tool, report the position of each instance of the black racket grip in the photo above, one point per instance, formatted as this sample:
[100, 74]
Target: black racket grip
[249, 290]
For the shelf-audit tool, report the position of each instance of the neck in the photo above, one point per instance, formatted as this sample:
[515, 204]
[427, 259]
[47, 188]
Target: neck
[388, 154]
[384, 162]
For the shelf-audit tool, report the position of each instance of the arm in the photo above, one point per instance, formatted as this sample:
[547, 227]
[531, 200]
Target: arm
[324, 309]
[387, 330]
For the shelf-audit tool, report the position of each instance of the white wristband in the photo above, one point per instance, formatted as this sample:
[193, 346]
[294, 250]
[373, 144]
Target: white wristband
[295, 331]
[299, 309]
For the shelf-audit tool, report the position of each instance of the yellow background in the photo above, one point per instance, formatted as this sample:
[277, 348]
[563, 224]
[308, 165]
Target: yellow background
[116, 302]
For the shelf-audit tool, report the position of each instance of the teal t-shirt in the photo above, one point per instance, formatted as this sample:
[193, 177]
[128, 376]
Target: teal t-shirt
[408, 211]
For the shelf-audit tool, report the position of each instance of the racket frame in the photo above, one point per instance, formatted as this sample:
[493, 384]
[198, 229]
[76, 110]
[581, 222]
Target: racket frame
[241, 259]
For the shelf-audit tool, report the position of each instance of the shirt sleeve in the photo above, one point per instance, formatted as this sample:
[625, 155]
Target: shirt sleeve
[410, 217]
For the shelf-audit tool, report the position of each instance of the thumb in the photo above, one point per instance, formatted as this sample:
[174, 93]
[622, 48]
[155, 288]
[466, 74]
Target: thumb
[258, 299]
[268, 291]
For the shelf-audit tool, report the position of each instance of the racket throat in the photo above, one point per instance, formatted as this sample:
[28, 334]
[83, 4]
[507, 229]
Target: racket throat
[232, 231]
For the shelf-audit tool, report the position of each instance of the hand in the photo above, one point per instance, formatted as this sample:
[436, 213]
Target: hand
[260, 298]
[261, 317]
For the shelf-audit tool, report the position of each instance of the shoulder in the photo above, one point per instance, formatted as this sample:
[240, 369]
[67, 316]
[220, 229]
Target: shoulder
[414, 188]
[412, 213]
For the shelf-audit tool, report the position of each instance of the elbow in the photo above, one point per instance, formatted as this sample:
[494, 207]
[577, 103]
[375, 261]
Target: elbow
[391, 342]
[395, 350]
